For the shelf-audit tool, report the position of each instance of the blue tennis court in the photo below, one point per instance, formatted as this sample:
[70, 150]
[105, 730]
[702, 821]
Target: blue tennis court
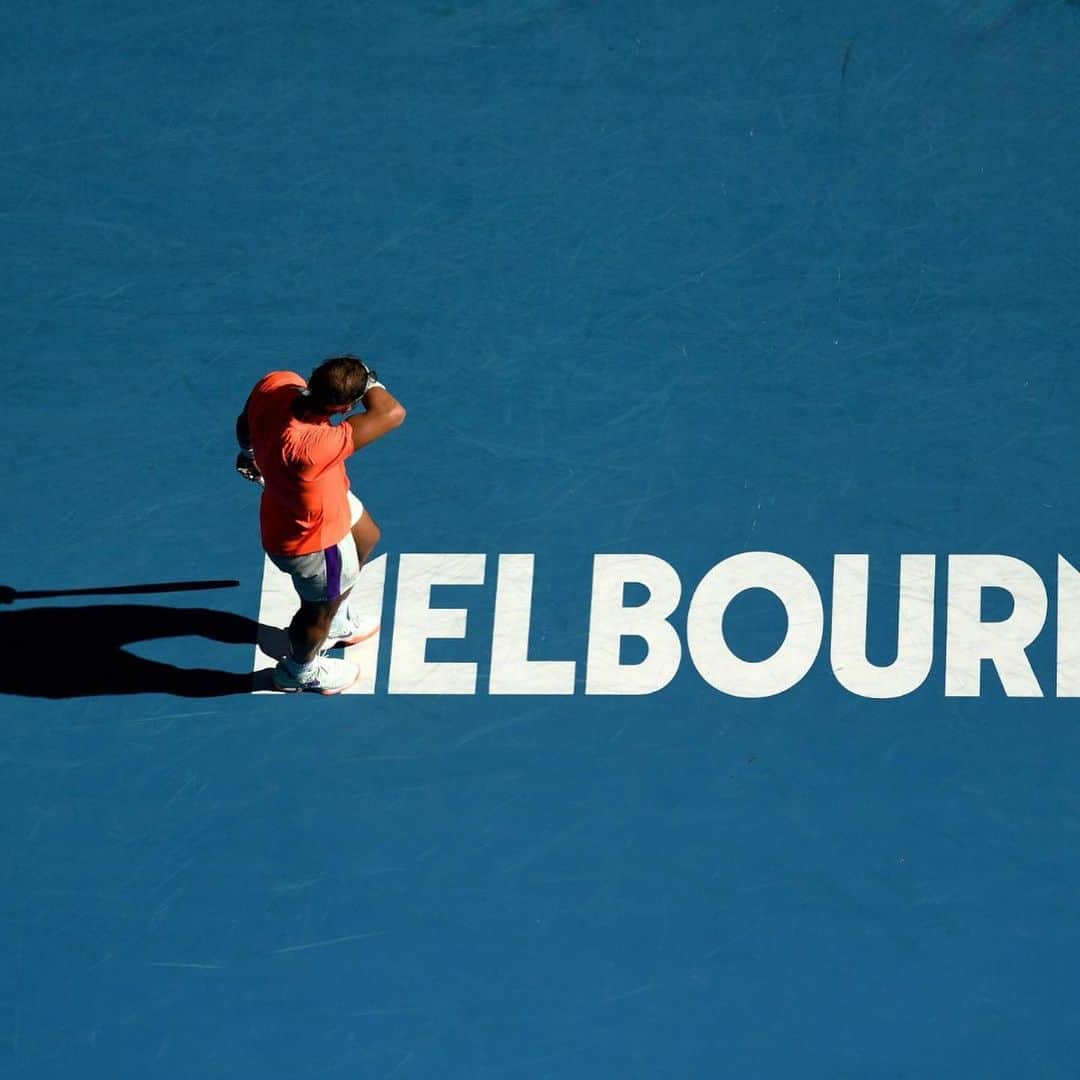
[721, 719]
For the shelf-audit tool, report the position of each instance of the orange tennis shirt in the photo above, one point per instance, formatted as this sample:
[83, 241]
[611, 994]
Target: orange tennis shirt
[305, 503]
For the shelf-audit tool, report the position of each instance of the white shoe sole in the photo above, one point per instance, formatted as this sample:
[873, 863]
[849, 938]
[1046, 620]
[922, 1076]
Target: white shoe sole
[326, 692]
[336, 643]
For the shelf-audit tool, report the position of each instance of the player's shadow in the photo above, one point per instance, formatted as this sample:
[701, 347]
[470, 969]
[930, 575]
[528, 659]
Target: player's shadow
[64, 652]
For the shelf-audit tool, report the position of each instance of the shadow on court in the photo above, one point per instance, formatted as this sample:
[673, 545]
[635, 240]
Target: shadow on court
[9, 595]
[80, 651]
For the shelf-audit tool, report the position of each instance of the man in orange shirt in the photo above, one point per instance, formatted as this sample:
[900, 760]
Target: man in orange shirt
[312, 526]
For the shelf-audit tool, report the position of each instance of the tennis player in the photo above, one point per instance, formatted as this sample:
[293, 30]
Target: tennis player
[313, 527]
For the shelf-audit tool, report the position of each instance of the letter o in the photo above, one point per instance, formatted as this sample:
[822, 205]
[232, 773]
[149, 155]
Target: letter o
[794, 588]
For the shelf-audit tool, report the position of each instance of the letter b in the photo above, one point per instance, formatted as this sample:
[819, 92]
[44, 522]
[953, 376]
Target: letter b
[610, 622]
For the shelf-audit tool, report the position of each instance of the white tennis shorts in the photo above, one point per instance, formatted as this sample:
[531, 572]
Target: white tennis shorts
[323, 576]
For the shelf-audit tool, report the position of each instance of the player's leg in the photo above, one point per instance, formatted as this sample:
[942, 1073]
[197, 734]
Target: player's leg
[310, 627]
[366, 535]
[323, 581]
[353, 625]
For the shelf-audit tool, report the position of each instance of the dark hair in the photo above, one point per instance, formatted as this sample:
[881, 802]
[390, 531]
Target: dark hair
[338, 381]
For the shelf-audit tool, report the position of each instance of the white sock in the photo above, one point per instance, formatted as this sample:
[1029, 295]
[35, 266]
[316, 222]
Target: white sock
[298, 669]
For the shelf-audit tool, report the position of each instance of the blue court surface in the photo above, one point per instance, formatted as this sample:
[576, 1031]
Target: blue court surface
[667, 763]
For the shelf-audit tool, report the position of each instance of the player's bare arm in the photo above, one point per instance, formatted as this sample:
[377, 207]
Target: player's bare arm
[382, 413]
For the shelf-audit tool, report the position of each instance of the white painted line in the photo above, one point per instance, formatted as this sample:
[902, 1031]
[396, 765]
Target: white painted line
[277, 605]
[367, 596]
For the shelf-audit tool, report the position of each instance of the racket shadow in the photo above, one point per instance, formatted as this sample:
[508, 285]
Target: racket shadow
[9, 594]
[67, 652]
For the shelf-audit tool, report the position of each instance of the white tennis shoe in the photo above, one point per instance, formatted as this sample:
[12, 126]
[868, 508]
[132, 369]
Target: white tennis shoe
[324, 675]
[349, 629]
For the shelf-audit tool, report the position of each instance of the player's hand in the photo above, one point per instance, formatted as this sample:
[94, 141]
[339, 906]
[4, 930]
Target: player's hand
[247, 468]
[371, 379]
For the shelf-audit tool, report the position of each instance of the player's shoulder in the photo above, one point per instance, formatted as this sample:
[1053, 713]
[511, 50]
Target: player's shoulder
[327, 436]
[322, 444]
[279, 380]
